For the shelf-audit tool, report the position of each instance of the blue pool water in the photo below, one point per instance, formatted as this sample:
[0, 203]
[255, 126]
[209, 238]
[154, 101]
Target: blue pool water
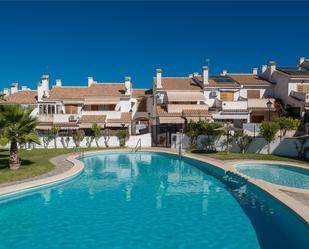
[282, 175]
[146, 200]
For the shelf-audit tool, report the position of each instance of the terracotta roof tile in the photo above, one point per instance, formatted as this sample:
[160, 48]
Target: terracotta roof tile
[179, 83]
[195, 113]
[141, 92]
[21, 97]
[95, 90]
[161, 112]
[249, 79]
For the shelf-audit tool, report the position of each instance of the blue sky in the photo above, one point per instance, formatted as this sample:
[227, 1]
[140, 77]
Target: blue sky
[109, 40]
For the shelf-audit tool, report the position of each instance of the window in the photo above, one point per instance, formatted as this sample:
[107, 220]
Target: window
[253, 94]
[227, 96]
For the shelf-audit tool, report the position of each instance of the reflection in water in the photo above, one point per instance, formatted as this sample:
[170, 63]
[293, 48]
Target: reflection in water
[46, 195]
[145, 201]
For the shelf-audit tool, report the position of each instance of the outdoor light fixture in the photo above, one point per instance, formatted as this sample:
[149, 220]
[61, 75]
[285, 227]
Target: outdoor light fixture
[269, 105]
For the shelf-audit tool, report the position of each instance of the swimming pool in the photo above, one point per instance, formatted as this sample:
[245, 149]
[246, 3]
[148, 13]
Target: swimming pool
[147, 200]
[283, 175]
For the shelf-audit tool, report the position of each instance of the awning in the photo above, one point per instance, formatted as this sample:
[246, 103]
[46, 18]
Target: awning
[185, 96]
[171, 120]
[101, 101]
[229, 116]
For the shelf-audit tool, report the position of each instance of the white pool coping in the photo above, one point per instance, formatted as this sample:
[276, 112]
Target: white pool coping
[298, 208]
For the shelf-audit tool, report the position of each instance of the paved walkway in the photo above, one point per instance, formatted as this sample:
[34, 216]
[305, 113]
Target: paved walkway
[61, 165]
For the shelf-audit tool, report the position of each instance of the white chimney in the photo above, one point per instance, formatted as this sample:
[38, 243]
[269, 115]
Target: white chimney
[90, 81]
[128, 85]
[6, 92]
[40, 91]
[264, 68]
[255, 71]
[301, 61]
[224, 72]
[14, 88]
[205, 75]
[58, 83]
[24, 88]
[272, 68]
[159, 78]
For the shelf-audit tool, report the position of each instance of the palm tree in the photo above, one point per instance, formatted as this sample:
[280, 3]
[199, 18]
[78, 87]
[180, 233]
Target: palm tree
[17, 126]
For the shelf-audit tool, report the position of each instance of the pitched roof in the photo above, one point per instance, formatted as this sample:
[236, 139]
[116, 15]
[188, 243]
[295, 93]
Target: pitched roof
[294, 72]
[180, 83]
[21, 97]
[95, 90]
[195, 113]
[140, 92]
[93, 118]
[249, 79]
[161, 112]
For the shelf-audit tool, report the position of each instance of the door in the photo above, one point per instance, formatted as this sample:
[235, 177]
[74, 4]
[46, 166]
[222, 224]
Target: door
[257, 119]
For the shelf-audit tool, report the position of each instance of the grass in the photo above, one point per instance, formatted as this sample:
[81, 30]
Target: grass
[34, 163]
[253, 156]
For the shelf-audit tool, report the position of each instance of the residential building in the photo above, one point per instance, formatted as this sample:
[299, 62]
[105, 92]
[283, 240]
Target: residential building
[291, 86]
[176, 101]
[110, 105]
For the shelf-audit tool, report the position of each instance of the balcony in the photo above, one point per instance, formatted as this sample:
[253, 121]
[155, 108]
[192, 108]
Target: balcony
[58, 118]
[234, 105]
[301, 96]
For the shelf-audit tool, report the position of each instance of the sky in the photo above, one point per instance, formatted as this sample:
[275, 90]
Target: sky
[110, 40]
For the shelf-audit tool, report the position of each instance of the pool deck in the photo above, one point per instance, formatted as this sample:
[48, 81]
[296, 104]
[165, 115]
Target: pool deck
[67, 166]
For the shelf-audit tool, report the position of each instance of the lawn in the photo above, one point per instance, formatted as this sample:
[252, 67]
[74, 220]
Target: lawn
[34, 162]
[252, 156]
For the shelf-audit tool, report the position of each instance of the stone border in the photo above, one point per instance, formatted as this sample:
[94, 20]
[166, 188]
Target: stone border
[25, 186]
[273, 190]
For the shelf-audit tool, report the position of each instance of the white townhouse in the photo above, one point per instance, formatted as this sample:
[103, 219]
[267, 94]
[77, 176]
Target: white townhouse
[110, 105]
[291, 86]
[177, 101]
[238, 98]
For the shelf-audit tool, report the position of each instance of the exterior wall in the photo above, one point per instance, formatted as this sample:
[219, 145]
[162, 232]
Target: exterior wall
[112, 142]
[264, 91]
[285, 147]
[230, 105]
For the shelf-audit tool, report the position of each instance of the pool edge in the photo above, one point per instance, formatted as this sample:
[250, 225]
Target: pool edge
[273, 190]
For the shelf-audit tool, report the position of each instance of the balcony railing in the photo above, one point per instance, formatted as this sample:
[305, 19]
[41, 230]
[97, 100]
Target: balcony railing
[234, 105]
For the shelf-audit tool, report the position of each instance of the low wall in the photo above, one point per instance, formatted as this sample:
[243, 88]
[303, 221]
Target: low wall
[113, 141]
[284, 147]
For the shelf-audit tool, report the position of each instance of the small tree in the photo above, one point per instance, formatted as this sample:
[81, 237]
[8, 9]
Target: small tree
[97, 133]
[54, 131]
[46, 140]
[208, 129]
[301, 149]
[286, 124]
[268, 130]
[193, 132]
[89, 141]
[122, 135]
[78, 137]
[106, 136]
[242, 140]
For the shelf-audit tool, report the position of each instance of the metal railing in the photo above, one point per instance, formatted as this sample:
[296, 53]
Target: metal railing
[138, 146]
[80, 152]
